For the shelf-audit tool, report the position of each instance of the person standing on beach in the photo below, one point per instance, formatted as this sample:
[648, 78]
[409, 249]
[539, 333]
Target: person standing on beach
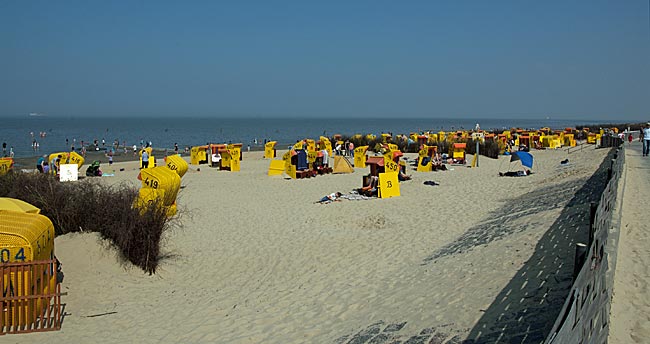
[216, 158]
[4, 149]
[646, 139]
[57, 164]
[145, 159]
[39, 163]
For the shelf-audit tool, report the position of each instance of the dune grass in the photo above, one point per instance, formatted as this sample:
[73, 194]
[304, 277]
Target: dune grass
[91, 206]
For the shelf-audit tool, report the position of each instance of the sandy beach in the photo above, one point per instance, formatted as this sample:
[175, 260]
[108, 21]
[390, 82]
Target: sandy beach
[253, 259]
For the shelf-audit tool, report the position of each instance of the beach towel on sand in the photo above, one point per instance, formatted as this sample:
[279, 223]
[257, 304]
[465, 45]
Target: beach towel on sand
[357, 197]
[352, 196]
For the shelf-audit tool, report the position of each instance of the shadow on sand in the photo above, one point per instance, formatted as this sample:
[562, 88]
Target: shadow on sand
[526, 309]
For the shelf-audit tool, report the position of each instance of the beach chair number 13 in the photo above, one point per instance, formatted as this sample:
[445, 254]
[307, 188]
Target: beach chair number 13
[151, 183]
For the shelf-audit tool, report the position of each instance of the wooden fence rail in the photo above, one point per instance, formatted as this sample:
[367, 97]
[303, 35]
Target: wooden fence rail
[31, 297]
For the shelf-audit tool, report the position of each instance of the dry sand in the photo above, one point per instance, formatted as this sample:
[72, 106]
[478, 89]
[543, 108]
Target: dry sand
[256, 261]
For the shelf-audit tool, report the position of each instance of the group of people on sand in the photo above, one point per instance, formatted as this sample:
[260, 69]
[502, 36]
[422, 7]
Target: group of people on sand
[345, 149]
[43, 166]
[4, 150]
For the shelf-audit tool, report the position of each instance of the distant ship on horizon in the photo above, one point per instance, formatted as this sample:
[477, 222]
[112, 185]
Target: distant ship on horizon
[36, 114]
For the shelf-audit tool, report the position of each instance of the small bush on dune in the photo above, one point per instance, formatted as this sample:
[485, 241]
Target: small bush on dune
[489, 149]
[94, 207]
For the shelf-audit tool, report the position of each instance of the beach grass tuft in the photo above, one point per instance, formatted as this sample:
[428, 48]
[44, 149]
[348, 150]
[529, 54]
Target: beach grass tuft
[91, 206]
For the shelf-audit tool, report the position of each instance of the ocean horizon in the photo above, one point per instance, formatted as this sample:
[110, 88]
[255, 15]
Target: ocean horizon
[21, 132]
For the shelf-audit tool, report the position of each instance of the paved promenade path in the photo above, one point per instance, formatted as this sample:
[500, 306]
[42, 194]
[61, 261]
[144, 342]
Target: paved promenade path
[630, 313]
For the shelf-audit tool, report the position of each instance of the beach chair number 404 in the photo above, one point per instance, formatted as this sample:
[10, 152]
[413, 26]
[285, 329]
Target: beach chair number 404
[5, 255]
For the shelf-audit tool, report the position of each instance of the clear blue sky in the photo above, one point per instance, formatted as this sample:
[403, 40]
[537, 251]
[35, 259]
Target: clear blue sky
[474, 59]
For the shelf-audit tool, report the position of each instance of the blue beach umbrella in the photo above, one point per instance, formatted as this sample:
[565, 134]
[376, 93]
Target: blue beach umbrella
[525, 158]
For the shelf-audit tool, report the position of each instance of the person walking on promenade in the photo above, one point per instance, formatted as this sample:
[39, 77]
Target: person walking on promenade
[646, 139]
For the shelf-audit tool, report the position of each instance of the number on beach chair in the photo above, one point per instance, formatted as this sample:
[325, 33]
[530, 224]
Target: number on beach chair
[176, 164]
[390, 165]
[388, 185]
[291, 171]
[311, 157]
[360, 156]
[234, 158]
[162, 178]
[269, 150]
[234, 165]
[75, 158]
[287, 159]
[6, 164]
[311, 145]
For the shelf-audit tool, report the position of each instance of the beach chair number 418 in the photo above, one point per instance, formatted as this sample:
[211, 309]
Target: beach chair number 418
[151, 183]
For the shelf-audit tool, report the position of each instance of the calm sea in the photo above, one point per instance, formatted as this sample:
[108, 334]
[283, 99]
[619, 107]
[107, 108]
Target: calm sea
[20, 133]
